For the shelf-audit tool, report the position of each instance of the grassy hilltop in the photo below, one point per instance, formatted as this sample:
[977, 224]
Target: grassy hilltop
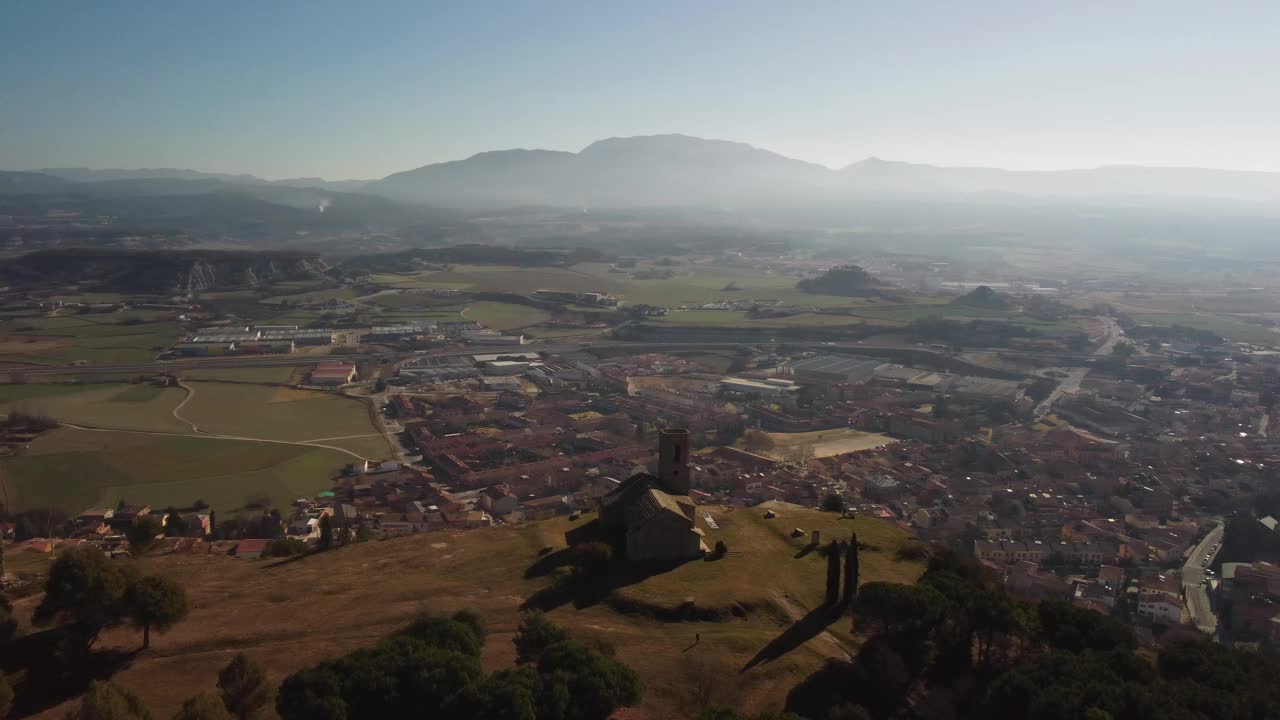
[292, 614]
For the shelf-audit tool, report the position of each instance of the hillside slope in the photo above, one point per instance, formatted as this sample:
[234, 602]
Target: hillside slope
[292, 614]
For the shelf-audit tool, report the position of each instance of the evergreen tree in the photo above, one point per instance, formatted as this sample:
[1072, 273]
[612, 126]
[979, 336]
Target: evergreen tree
[6, 697]
[326, 533]
[108, 701]
[244, 687]
[851, 570]
[156, 602]
[174, 524]
[205, 706]
[833, 573]
[85, 591]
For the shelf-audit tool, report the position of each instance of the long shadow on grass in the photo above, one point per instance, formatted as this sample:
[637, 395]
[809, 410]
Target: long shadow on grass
[586, 590]
[55, 666]
[800, 632]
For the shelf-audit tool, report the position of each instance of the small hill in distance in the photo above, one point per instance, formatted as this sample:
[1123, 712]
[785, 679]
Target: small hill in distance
[984, 297]
[739, 628]
[845, 281]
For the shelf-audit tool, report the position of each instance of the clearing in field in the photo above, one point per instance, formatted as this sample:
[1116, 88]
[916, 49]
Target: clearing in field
[504, 316]
[269, 413]
[76, 469]
[271, 612]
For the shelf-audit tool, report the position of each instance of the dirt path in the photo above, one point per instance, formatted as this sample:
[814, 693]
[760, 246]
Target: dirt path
[191, 392]
[341, 437]
[214, 436]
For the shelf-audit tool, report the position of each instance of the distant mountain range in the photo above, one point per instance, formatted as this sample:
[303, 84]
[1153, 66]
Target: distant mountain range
[678, 170]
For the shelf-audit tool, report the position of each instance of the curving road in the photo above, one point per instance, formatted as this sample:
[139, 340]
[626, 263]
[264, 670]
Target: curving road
[1194, 586]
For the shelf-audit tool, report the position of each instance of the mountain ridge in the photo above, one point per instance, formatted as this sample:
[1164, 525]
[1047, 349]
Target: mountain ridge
[683, 170]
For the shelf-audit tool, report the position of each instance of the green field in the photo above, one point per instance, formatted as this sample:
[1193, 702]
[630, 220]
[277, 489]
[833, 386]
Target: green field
[15, 393]
[119, 337]
[504, 316]
[1219, 325]
[76, 469]
[117, 406]
[313, 296]
[271, 413]
[274, 374]
[691, 284]
[732, 318]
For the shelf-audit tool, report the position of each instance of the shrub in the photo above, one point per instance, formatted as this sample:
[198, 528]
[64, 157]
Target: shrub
[720, 550]
[912, 551]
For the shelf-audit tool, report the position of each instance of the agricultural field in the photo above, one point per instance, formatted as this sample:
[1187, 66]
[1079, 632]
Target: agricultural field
[1228, 328]
[119, 337]
[113, 405]
[76, 469]
[311, 296]
[272, 413]
[747, 662]
[733, 318]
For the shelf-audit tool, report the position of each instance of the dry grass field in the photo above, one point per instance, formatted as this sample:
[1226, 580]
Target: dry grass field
[292, 614]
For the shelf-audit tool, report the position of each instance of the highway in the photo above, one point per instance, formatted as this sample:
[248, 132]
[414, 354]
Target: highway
[1193, 582]
[158, 366]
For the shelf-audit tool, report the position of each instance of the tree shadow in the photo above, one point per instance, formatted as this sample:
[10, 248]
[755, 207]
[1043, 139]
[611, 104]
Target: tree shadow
[800, 632]
[55, 666]
[807, 549]
[294, 558]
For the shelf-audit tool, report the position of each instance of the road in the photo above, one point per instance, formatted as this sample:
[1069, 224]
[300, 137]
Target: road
[1069, 385]
[1193, 583]
[1111, 334]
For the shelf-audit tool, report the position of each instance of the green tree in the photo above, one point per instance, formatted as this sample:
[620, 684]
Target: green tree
[85, 591]
[174, 524]
[457, 633]
[535, 634]
[595, 686]
[900, 607]
[205, 706]
[8, 625]
[156, 602]
[142, 534]
[244, 687]
[832, 502]
[326, 532]
[592, 560]
[108, 701]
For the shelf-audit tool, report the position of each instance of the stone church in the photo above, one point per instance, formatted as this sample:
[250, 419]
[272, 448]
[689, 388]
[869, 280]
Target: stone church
[655, 512]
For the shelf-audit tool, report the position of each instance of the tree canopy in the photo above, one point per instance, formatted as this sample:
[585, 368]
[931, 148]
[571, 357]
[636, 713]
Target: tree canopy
[244, 688]
[108, 701]
[156, 602]
[432, 669]
[85, 590]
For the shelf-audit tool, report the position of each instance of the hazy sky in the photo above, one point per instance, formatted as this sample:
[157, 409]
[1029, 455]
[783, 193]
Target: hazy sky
[361, 89]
